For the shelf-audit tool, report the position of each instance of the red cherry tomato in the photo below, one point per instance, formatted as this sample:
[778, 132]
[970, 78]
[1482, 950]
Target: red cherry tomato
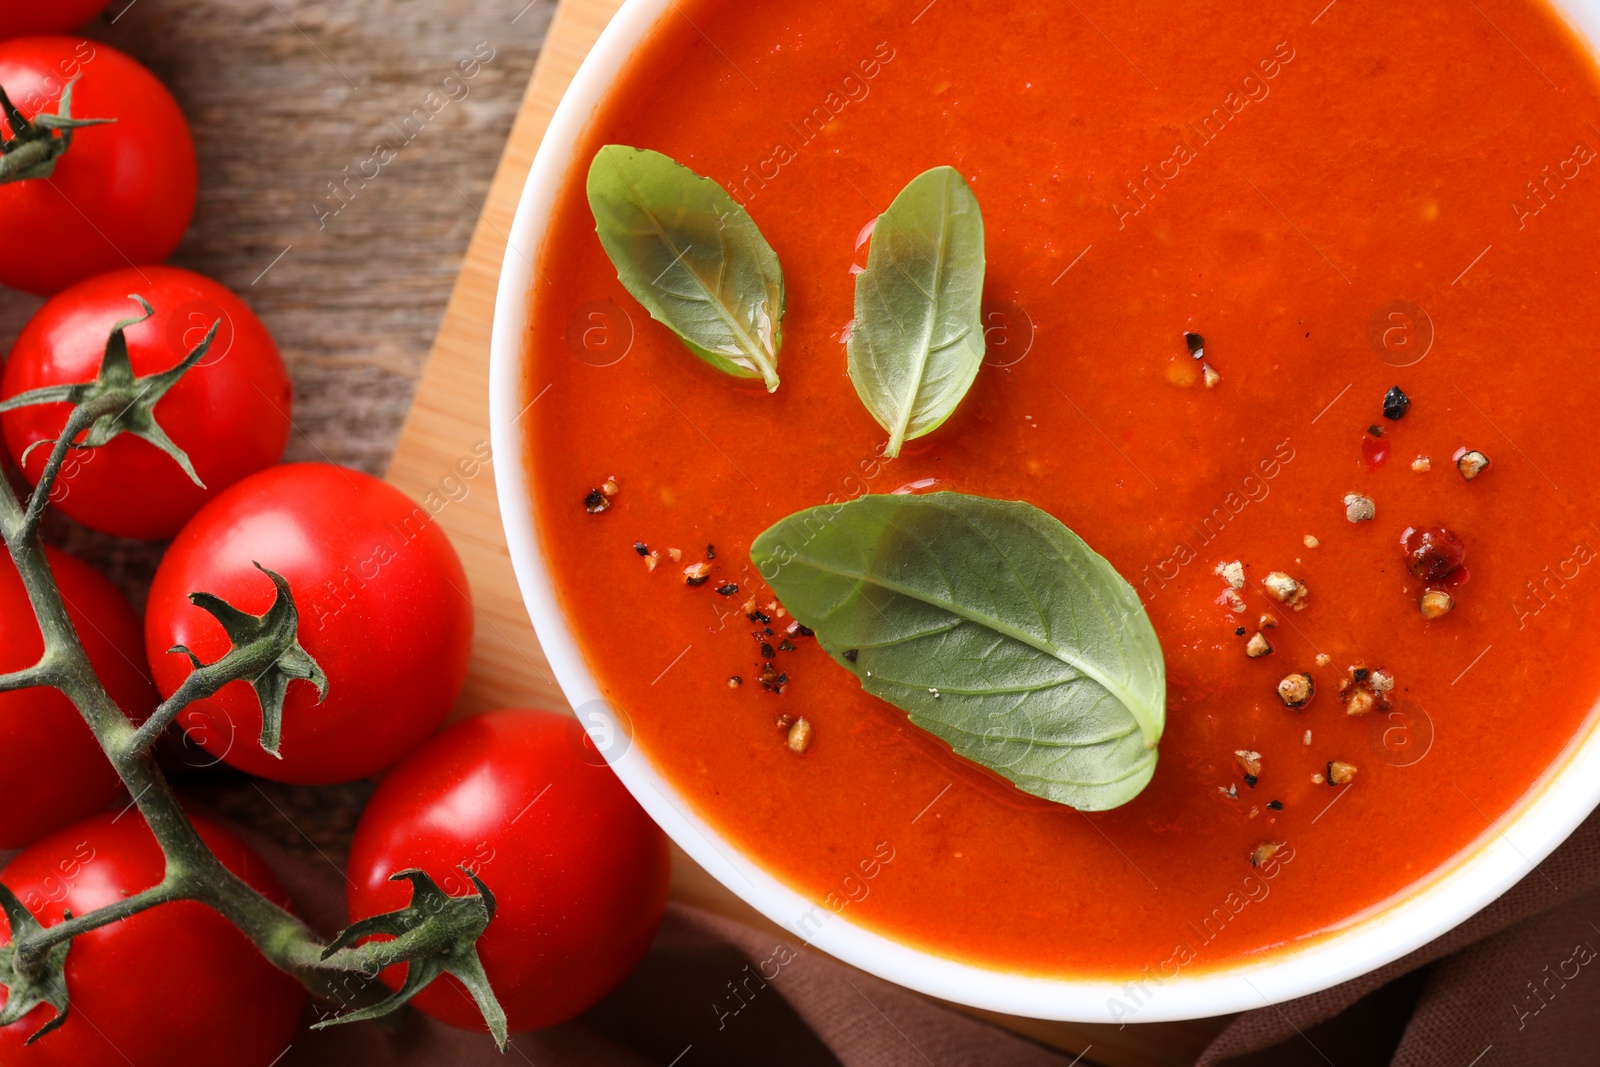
[230, 412]
[383, 605]
[121, 194]
[26, 18]
[176, 984]
[578, 870]
[52, 771]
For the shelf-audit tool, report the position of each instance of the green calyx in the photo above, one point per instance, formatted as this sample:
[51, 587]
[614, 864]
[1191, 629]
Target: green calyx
[118, 401]
[435, 934]
[30, 985]
[33, 147]
[266, 653]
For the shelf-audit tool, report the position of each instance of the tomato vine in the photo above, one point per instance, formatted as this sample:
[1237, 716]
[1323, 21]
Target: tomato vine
[435, 933]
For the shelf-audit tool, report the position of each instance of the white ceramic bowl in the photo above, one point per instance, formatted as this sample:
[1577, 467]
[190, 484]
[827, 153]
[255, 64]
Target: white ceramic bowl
[1501, 857]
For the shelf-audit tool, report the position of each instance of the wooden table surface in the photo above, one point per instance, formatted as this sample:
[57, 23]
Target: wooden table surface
[286, 98]
[283, 96]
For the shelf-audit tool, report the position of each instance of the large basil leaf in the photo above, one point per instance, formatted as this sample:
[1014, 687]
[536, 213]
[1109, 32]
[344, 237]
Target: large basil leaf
[692, 257]
[917, 341]
[993, 626]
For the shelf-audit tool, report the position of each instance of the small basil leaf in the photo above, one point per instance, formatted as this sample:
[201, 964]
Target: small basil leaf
[692, 257]
[917, 341]
[993, 626]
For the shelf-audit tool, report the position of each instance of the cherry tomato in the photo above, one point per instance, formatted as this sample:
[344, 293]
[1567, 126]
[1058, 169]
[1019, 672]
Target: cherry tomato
[229, 413]
[25, 18]
[121, 194]
[578, 870]
[176, 984]
[52, 771]
[383, 605]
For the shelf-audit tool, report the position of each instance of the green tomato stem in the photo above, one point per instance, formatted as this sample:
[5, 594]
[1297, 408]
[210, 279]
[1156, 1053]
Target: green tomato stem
[39, 674]
[193, 870]
[80, 420]
[434, 939]
[34, 948]
[199, 684]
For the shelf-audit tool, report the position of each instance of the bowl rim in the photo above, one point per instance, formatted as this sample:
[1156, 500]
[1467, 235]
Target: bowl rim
[1505, 852]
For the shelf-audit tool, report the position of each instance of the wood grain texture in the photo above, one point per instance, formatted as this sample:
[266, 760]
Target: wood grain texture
[450, 415]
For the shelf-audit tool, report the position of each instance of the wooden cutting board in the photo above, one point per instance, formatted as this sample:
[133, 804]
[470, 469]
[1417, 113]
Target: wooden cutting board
[438, 452]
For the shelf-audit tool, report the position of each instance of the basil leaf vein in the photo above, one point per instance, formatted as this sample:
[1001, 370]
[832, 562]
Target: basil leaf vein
[917, 341]
[692, 256]
[992, 626]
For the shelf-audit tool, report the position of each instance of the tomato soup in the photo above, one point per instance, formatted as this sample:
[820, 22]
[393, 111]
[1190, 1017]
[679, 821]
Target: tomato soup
[1336, 204]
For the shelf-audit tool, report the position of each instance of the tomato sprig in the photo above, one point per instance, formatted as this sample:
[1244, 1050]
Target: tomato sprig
[435, 934]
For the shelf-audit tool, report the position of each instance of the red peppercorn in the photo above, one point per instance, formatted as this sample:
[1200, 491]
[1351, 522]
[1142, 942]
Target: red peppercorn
[1434, 554]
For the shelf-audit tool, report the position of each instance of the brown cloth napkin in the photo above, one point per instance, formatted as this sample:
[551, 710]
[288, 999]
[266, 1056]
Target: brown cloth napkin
[1517, 984]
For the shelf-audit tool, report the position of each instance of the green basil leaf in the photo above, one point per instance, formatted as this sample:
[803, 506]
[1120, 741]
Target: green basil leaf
[692, 256]
[917, 341]
[993, 626]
